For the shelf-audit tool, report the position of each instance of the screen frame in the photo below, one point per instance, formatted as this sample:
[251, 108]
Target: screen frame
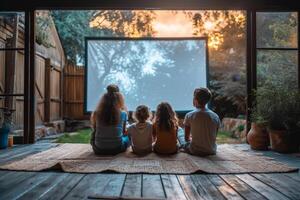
[180, 113]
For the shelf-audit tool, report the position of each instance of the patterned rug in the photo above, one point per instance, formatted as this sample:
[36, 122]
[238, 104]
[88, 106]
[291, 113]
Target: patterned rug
[79, 158]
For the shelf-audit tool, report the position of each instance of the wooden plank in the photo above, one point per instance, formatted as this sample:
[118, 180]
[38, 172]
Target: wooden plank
[47, 90]
[26, 185]
[283, 184]
[205, 187]
[152, 187]
[133, 186]
[189, 187]
[39, 90]
[61, 189]
[93, 185]
[294, 176]
[13, 179]
[43, 187]
[19, 153]
[241, 187]
[260, 187]
[172, 187]
[114, 186]
[227, 191]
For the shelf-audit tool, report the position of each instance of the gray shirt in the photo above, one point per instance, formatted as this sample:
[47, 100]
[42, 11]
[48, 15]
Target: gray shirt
[141, 137]
[110, 137]
[204, 125]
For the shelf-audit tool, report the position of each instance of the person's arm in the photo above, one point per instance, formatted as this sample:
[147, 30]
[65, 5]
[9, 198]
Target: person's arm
[187, 128]
[93, 126]
[124, 124]
[153, 133]
[187, 133]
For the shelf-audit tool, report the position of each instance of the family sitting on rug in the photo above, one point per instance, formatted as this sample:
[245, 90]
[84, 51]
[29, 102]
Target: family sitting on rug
[163, 135]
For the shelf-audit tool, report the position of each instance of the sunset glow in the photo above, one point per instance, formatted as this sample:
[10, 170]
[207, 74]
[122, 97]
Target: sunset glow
[178, 24]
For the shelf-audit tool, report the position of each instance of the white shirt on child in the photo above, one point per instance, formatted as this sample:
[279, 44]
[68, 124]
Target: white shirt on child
[141, 137]
[204, 125]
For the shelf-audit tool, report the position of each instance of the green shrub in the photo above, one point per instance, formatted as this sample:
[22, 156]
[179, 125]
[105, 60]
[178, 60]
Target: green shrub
[278, 108]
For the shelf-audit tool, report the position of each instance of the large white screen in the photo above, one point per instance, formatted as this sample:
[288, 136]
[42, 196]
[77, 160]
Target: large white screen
[147, 71]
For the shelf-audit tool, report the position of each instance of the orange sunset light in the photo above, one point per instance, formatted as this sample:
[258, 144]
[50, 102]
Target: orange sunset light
[177, 24]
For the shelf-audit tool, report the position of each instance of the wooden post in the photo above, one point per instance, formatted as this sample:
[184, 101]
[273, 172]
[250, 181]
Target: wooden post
[249, 79]
[10, 65]
[31, 120]
[47, 90]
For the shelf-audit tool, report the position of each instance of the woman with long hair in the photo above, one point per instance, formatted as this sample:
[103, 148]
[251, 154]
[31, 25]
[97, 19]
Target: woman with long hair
[165, 129]
[109, 123]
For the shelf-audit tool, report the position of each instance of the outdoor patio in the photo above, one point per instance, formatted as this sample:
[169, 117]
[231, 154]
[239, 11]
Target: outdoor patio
[58, 185]
[250, 55]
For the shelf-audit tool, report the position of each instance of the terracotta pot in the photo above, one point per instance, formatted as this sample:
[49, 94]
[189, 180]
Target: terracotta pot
[283, 142]
[258, 137]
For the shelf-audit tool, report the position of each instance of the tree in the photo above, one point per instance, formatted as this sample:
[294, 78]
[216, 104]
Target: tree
[74, 26]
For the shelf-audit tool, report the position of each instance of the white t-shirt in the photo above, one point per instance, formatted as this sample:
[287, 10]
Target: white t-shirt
[141, 137]
[204, 125]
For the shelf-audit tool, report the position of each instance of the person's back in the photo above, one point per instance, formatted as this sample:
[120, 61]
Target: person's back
[141, 137]
[165, 129]
[109, 122]
[166, 141]
[202, 124]
[140, 133]
[110, 136]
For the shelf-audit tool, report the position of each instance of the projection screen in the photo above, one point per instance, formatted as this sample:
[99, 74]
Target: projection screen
[147, 70]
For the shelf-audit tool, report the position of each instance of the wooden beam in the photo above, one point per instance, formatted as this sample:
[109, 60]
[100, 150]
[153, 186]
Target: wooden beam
[148, 4]
[298, 36]
[47, 89]
[31, 116]
[10, 64]
[26, 78]
[248, 66]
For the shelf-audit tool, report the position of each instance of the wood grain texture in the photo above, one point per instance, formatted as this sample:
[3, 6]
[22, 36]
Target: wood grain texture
[133, 186]
[241, 187]
[227, 191]
[189, 188]
[283, 184]
[172, 187]
[205, 187]
[260, 187]
[152, 187]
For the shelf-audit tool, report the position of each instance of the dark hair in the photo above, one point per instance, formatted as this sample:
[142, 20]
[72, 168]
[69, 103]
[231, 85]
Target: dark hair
[142, 113]
[112, 88]
[109, 107]
[202, 95]
[165, 117]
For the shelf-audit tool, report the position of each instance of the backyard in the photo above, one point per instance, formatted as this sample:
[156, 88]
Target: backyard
[84, 135]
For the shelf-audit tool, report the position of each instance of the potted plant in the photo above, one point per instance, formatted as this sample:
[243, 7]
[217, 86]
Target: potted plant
[258, 136]
[5, 126]
[280, 109]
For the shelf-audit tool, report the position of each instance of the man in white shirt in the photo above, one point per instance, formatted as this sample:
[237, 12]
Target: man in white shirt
[202, 124]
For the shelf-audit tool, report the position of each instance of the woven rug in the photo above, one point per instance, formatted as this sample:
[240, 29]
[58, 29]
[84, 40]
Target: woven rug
[80, 158]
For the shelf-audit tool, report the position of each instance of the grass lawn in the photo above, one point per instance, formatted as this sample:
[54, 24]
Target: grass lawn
[81, 136]
[84, 135]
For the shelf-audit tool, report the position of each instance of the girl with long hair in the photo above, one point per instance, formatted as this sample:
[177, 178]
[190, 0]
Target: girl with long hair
[109, 123]
[165, 129]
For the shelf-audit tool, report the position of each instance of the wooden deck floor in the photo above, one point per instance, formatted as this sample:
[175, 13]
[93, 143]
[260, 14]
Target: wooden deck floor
[57, 185]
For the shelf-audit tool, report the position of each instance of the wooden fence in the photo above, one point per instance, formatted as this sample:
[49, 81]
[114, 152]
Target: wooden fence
[74, 92]
[48, 76]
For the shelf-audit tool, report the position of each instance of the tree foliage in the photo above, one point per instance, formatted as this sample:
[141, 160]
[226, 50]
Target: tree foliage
[74, 26]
